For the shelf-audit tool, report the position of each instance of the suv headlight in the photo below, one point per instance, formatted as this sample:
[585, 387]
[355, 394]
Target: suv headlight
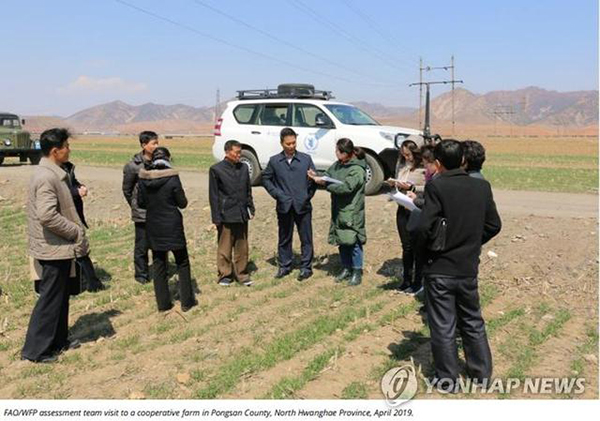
[387, 136]
[36, 144]
[6, 142]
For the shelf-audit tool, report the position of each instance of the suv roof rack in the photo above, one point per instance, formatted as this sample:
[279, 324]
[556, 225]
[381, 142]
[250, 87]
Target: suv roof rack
[275, 93]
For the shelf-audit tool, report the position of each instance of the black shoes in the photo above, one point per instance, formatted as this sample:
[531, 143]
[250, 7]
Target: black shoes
[304, 275]
[44, 359]
[188, 307]
[343, 275]
[142, 280]
[356, 278]
[97, 286]
[282, 273]
[405, 285]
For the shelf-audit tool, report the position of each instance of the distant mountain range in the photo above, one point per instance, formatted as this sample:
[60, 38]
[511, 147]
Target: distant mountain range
[528, 106]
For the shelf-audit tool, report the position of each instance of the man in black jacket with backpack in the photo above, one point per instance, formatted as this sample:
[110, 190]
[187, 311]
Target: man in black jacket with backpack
[452, 297]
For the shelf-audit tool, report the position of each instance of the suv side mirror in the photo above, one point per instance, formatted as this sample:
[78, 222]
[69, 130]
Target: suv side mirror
[321, 121]
[23, 121]
[398, 139]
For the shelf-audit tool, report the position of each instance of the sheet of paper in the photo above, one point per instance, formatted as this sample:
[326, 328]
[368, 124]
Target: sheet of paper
[403, 200]
[331, 180]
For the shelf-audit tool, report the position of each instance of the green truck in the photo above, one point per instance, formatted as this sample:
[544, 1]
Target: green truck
[14, 141]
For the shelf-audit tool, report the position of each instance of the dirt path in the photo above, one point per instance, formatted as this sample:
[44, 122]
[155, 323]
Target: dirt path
[508, 202]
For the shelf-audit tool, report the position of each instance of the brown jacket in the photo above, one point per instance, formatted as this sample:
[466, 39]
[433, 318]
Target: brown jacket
[54, 228]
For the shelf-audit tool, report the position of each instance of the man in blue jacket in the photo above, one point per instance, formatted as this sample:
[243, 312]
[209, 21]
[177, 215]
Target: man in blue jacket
[286, 181]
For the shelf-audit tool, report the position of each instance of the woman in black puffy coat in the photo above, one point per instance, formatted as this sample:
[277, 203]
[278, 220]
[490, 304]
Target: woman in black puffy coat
[161, 194]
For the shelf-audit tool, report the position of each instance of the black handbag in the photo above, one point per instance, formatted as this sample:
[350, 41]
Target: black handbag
[437, 241]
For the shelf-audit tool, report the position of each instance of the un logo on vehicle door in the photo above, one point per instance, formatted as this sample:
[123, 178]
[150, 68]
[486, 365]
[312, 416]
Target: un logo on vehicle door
[399, 385]
[311, 143]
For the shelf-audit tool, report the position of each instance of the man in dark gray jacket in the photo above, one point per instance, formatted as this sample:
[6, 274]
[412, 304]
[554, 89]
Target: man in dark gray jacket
[231, 207]
[286, 181]
[148, 142]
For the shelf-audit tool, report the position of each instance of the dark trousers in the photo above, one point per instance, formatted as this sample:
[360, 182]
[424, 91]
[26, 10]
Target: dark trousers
[140, 252]
[412, 260]
[90, 279]
[233, 239]
[49, 322]
[161, 285]
[303, 222]
[454, 302]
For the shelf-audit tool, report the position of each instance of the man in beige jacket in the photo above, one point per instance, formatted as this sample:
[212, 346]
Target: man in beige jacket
[56, 238]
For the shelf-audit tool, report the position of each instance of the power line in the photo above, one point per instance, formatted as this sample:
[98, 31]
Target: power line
[277, 39]
[357, 42]
[232, 45]
[377, 28]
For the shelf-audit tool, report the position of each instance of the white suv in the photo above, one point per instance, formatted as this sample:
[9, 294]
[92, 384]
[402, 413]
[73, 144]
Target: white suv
[256, 118]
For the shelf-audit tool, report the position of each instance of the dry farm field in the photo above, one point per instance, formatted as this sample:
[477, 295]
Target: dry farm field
[284, 339]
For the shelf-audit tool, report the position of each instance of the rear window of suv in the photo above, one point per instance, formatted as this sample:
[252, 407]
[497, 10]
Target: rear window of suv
[246, 113]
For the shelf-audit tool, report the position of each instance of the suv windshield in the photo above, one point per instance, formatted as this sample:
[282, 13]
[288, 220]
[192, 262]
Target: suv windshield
[349, 114]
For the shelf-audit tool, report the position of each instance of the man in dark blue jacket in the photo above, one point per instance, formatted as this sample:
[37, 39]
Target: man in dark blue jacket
[286, 181]
[451, 287]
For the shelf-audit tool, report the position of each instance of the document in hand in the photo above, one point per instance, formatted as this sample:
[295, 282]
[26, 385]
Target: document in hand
[403, 200]
[331, 180]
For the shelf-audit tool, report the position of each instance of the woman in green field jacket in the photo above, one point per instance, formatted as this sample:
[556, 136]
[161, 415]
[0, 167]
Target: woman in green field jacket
[347, 229]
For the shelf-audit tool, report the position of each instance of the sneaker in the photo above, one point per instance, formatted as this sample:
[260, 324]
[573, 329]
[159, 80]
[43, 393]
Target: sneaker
[304, 275]
[414, 290]
[343, 275]
[282, 273]
[247, 283]
[225, 282]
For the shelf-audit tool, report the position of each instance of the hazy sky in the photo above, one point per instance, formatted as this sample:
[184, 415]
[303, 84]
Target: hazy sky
[60, 56]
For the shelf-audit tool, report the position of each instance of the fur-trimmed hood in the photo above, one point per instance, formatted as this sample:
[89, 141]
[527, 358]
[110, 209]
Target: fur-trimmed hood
[155, 179]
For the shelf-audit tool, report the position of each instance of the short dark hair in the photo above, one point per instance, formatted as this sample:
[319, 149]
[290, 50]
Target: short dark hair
[161, 153]
[414, 150]
[53, 138]
[427, 154]
[147, 136]
[450, 153]
[230, 144]
[286, 132]
[474, 155]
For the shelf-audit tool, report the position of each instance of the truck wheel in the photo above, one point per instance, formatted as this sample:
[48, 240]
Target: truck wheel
[374, 175]
[35, 158]
[251, 161]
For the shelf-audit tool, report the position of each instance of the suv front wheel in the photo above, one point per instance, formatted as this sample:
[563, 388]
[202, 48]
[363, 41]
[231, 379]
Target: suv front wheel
[251, 161]
[374, 175]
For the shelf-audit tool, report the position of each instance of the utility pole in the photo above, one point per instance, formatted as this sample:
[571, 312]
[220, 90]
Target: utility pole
[420, 90]
[427, 124]
[218, 105]
[430, 68]
[504, 110]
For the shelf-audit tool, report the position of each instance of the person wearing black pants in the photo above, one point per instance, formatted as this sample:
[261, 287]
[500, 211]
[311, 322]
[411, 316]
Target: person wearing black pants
[148, 142]
[79, 191]
[410, 177]
[162, 195]
[286, 180]
[451, 293]
[56, 237]
[49, 323]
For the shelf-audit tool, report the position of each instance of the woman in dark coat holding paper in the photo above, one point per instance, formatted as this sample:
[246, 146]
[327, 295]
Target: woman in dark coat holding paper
[162, 195]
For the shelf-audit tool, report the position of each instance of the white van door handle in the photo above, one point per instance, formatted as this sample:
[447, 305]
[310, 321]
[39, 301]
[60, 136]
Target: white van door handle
[255, 132]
